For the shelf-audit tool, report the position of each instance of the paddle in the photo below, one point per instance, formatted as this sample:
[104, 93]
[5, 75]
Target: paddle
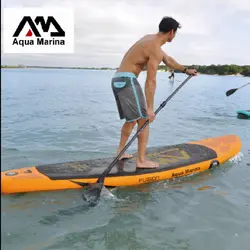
[231, 91]
[93, 190]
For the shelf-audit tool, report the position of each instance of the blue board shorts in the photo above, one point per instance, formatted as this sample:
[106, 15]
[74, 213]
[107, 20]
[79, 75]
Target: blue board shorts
[129, 97]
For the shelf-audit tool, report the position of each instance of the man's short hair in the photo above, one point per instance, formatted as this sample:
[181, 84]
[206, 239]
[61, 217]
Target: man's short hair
[167, 24]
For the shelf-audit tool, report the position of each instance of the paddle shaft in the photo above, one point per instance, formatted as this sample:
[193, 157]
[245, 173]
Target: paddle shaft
[244, 85]
[231, 91]
[101, 178]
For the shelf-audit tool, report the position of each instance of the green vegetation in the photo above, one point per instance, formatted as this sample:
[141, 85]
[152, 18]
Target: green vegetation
[12, 66]
[203, 69]
[221, 69]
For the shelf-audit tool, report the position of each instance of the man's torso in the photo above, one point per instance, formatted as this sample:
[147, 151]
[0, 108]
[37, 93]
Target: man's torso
[136, 58]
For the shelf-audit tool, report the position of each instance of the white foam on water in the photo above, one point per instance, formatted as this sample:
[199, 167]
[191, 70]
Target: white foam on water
[237, 158]
[106, 192]
[108, 195]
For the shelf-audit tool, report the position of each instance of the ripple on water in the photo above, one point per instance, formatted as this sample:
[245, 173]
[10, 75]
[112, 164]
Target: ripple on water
[51, 120]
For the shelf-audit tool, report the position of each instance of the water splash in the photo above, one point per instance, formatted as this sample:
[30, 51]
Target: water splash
[107, 193]
[237, 158]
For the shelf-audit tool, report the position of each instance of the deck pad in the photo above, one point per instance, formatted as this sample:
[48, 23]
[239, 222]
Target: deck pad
[169, 157]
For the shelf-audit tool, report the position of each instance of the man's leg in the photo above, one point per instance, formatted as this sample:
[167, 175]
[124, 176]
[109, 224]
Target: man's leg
[127, 129]
[142, 144]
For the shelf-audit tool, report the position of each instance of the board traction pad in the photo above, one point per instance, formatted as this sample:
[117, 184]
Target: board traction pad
[169, 157]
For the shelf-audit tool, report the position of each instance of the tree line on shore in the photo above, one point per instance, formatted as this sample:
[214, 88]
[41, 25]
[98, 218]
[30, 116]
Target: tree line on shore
[225, 69]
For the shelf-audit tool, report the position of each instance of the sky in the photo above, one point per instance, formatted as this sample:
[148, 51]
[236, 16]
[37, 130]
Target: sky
[213, 32]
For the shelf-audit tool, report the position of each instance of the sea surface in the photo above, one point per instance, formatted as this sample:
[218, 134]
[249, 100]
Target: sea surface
[50, 115]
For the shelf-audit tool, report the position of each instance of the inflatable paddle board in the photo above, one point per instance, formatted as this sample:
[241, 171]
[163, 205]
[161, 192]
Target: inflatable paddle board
[175, 161]
[243, 114]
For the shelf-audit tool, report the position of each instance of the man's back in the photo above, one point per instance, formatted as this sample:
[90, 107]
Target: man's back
[137, 56]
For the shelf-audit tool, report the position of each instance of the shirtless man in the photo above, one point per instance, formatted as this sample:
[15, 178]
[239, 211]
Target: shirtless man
[172, 75]
[128, 94]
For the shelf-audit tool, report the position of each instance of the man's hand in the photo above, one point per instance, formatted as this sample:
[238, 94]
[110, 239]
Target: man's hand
[192, 72]
[151, 114]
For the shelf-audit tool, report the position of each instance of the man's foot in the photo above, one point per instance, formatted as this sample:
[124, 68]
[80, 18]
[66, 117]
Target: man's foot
[147, 164]
[125, 156]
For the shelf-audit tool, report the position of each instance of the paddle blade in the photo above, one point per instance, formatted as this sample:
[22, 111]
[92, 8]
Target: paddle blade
[230, 92]
[92, 193]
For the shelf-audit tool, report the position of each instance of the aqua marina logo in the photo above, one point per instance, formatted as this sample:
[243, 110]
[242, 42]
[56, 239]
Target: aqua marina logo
[38, 30]
[33, 31]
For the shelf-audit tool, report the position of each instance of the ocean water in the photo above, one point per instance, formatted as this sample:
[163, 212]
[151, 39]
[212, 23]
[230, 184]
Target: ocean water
[51, 115]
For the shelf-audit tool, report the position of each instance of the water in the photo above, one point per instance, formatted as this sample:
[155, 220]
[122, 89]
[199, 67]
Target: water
[62, 115]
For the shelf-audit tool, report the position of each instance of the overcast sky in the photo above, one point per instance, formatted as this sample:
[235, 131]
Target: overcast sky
[213, 31]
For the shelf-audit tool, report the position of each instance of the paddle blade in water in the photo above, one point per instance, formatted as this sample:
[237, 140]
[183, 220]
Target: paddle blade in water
[230, 92]
[92, 193]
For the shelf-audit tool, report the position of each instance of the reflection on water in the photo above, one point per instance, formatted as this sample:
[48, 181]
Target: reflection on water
[61, 214]
[204, 188]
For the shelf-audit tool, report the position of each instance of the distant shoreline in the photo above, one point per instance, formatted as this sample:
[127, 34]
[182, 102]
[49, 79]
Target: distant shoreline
[221, 70]
[51, 67]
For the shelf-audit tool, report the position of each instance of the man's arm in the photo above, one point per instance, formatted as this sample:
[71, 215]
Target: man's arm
[169, 61]
[150, 85]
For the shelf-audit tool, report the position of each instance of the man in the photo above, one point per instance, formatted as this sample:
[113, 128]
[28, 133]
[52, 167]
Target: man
[172, 75]
[128, 94]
